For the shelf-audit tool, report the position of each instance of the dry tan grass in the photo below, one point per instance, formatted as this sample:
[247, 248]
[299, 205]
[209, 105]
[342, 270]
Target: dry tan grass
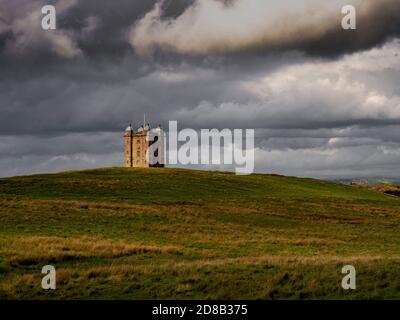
[387, 188]
[280, 240]
[33, 250]
[33, 205]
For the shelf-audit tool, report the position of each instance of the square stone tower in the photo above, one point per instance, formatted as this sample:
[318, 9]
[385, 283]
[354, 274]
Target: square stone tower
[137, 147]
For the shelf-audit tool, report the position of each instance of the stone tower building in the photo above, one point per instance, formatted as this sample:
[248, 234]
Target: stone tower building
[137, 144]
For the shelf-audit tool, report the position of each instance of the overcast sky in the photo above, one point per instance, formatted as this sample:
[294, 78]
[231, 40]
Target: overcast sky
[325, 102]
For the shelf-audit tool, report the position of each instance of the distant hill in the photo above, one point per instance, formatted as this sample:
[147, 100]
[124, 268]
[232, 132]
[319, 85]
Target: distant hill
[369, 181]
[186, 234]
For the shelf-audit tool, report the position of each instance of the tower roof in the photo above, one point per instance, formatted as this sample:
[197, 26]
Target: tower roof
[129, 128]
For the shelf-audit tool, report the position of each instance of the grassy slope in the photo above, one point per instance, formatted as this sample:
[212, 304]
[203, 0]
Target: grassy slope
[166, 233]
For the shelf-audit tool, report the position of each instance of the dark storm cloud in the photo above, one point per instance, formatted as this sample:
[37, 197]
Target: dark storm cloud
[99, 27]
[100, 30]
[310, 26]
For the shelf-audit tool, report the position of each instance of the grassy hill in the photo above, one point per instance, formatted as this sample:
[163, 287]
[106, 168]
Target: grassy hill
[166, 233]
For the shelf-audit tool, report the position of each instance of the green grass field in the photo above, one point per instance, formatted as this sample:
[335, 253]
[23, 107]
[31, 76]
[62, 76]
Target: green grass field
[182, 234]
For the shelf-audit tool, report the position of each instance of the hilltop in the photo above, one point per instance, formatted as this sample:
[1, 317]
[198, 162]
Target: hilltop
[174, 233]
